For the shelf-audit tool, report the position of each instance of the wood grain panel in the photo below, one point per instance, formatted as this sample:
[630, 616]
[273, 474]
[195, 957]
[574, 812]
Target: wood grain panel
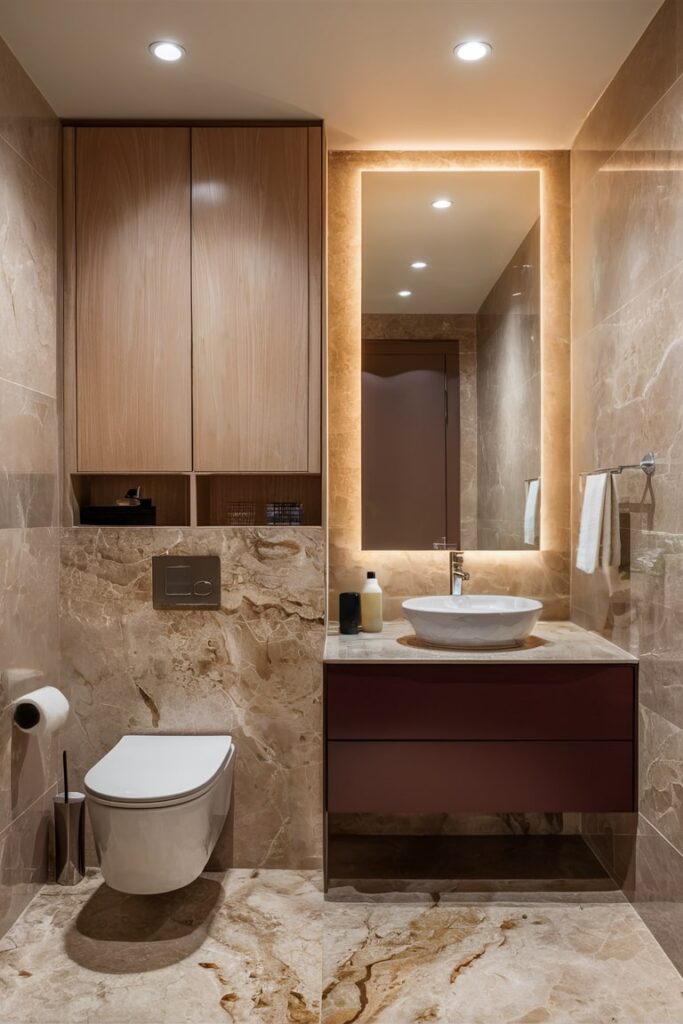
[250, 246]
[216, 492]
[133, 316]
[486, 702]
[416, 777]
[315, 296]
[170, 494]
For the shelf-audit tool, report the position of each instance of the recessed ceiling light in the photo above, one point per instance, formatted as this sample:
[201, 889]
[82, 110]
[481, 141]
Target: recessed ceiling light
[442, 204]
[418, 265]
[165, 50]
[405, 293]
[473, 49]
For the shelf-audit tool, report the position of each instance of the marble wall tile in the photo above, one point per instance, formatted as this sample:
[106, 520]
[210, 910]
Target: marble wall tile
[28, 458]
[27, 122]
[661, 774]
[627, 379]
[542, 574]
[24, 850]
[28, 274]
[252, 668]
[460, 327]
[29, 642]
[651, 68]
[29, 537]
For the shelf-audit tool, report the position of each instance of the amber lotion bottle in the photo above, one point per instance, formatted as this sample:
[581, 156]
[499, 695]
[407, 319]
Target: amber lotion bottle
[371, 605]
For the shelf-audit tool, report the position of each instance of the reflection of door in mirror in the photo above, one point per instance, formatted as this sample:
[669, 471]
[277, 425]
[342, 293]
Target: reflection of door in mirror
[411, 444]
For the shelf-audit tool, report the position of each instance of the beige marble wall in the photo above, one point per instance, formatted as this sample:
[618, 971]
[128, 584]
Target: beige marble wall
[252, 669]
[460, 327]
[627, 382]
[543, 574]
[29, 536]
[509, 396]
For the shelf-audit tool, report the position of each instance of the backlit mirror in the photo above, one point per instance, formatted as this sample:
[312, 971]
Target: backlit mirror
[451, 395]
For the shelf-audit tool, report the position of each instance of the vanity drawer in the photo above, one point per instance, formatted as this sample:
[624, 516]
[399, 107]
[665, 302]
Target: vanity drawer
[480, 702]
[417, 777]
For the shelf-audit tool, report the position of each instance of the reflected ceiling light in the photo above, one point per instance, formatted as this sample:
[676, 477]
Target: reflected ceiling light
[418, 265]
[442, 204]
[165, 50]
[473, 49]
[404, 294]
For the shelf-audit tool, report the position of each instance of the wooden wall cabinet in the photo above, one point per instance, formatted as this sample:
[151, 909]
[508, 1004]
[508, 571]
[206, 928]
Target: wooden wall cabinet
[193, 299]
[132, 286]
[256, 299]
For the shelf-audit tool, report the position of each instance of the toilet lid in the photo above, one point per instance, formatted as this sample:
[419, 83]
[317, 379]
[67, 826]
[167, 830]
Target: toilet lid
[155, 769]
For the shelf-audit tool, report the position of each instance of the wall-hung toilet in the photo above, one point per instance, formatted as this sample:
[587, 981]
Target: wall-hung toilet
[157, 806]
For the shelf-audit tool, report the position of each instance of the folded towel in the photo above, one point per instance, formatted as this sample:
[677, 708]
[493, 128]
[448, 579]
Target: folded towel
[590, 529]
[531, 512]
[611, 536]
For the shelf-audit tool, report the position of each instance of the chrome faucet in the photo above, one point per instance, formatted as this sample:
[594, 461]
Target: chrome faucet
[458, 574]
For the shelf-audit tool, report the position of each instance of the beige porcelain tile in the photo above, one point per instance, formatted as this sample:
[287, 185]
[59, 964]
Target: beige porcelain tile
[244, 948]
[29, 658]
[27, 123]
[661, 775]
[252, 668]
[28, 275]
[28, 458]
[645, 76]
[484, 964]
[24, 859]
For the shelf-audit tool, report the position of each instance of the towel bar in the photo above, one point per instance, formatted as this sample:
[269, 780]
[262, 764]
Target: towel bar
[647, 464]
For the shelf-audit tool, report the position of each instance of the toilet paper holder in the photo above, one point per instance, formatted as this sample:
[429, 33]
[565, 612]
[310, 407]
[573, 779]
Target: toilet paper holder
[42, 711]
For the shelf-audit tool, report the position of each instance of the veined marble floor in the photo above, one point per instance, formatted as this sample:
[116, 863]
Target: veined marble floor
[262, 947]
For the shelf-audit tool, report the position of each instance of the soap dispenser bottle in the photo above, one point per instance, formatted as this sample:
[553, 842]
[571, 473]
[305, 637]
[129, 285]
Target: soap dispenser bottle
[371, 605]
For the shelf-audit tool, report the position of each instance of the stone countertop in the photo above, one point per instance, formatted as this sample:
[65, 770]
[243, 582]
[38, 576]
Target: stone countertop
[550, 643]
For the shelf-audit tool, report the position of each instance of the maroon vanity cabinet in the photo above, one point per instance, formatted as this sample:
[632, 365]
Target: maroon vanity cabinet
[455, 737]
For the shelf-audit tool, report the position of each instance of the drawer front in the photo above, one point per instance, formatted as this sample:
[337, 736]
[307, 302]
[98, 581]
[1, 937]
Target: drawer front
[417, 777]
[480, 702]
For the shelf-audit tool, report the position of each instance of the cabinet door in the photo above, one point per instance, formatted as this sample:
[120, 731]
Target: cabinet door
[250, 299]
[133, 313]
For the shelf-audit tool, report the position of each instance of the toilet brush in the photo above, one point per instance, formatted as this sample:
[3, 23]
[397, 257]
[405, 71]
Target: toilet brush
[69, 811]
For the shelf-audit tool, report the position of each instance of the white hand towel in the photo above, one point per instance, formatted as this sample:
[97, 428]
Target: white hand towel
[531, 512]
[591, 522]
[611, 535]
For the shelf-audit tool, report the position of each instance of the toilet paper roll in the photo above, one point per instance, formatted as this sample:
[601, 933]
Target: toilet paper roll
[42, 711]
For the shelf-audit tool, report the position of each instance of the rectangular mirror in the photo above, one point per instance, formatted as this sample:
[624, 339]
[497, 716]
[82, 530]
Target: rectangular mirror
[451, 360]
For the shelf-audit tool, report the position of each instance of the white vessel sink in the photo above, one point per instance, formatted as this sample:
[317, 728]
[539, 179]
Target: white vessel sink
[472, 620]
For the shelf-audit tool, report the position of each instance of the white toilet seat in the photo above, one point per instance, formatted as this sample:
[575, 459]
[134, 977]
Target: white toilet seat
[158, 771]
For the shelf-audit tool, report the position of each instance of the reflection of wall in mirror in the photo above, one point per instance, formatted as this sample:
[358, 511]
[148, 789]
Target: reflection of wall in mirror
[509, 397]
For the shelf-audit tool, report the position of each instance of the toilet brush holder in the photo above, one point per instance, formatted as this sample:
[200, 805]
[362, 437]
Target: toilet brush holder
[69, 838]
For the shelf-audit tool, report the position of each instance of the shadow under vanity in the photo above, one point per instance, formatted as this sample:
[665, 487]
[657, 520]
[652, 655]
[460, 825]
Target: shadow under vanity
[410, 730]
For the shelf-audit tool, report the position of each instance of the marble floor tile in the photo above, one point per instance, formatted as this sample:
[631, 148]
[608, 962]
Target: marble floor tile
[242, 948]
[262, 947]
[495, 964]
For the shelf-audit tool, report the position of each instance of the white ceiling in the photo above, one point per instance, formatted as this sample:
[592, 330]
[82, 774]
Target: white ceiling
[466, 247]
[380, 72]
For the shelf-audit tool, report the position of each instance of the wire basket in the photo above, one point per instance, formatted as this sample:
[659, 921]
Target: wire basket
[284, 513]
[239, 513]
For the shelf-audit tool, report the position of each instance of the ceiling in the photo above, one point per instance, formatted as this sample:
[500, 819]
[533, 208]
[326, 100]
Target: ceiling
[379, 72]
[465, 247]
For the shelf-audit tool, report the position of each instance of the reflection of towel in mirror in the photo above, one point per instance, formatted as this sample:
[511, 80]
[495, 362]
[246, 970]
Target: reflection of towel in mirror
[591, 526]
[611, 537]
[531, 512]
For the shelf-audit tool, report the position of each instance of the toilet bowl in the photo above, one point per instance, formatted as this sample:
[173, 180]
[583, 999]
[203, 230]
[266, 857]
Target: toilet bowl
[157, 806]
